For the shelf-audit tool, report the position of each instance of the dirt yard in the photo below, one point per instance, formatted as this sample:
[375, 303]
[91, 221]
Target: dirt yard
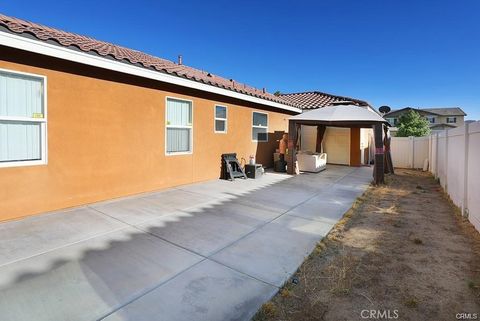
[402, 252]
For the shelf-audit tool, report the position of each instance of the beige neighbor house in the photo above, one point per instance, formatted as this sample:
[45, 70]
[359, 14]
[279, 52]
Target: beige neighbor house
[439, 118]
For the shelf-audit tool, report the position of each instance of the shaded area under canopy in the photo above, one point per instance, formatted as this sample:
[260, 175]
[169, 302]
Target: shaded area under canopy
[348, 116]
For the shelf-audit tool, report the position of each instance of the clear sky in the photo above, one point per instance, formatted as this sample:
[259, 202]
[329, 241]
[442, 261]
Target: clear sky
[399, 53]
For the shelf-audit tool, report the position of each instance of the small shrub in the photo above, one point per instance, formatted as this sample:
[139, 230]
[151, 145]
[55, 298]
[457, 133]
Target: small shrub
[285, 293]
[472, 285]
[341, 273]
[411, 302]
[320, 247]
[269, 310]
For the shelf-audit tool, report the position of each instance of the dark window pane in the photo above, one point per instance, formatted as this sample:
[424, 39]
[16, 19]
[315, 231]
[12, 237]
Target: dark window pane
[219, 125]
[260, 119]
[259, 134]
[220, 112]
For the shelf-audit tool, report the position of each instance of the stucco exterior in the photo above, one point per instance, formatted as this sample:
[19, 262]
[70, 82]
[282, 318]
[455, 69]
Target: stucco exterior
[106, 137]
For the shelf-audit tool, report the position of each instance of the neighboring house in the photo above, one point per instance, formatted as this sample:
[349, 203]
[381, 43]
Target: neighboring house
[345, 146]
[439, 118]
[83, 120]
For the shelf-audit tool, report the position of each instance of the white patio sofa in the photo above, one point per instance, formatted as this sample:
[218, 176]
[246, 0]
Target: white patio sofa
[311, 162]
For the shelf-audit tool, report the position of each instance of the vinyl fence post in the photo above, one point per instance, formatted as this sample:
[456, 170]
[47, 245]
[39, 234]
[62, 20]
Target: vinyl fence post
[465, 172]
[430, 157]
[412, 152]
[436, 155]
[446, 161]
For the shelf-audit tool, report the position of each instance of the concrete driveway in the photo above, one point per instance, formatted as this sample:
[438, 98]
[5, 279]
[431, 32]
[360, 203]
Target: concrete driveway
[209, 251]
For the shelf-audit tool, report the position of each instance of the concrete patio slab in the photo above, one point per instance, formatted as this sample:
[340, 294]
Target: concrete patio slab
[274, 198]
[273, 252]
[38, 234]
[208, 251]
[237, 211]
[178, 199]
[87, 280]
[225, 189]
[133, 210]
[311, 181]
[321, 208]
[206, 292]
[343, 194]
[203, 232]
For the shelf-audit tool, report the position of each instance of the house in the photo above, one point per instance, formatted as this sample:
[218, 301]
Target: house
[439, 118]
[344, 146]
[83, 120]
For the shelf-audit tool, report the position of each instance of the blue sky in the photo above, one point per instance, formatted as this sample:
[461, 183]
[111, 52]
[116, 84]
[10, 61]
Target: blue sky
[397, 53]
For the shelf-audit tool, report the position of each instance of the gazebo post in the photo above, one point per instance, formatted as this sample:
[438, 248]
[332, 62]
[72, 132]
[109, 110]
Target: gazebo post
[292, 141]
[387, 157]
[320, 133]
[379, 166]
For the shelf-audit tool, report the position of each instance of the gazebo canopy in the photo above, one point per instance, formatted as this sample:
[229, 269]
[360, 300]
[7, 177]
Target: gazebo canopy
[350, 116]
[340, 115]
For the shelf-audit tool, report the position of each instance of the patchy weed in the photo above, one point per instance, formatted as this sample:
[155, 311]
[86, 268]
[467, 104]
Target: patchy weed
[411, 303]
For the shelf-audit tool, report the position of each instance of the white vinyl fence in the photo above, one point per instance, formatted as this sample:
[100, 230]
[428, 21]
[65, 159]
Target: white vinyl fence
[454, 158]
[409, 152]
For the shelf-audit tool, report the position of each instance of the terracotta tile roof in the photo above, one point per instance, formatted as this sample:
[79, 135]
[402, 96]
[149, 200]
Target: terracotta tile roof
[317, 99]
[120, 53]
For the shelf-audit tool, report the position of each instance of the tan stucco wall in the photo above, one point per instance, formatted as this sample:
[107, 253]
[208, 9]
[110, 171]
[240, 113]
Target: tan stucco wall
[106, 138]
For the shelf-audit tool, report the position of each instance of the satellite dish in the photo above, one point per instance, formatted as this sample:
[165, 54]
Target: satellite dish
[384, 109]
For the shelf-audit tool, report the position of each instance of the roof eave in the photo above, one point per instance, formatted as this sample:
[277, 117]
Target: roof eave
[44, 48]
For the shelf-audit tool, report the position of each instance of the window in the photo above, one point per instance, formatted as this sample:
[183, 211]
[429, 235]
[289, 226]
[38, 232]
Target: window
[260, 127]
[179, 126]
[23, 119]
[220, 119]
[431, 119]
[451, 120]
[391, 121]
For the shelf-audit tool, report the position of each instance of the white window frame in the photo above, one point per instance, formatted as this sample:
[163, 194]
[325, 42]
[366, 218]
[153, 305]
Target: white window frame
[215, 118]
[453, 118]
[42, 121]
[257, 126]
[176, 126]
[431, 119]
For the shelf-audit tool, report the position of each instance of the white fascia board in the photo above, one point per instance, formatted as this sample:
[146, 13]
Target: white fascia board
[43, 48]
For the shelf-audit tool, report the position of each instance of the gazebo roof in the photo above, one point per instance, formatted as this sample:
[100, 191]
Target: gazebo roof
[339, 115]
